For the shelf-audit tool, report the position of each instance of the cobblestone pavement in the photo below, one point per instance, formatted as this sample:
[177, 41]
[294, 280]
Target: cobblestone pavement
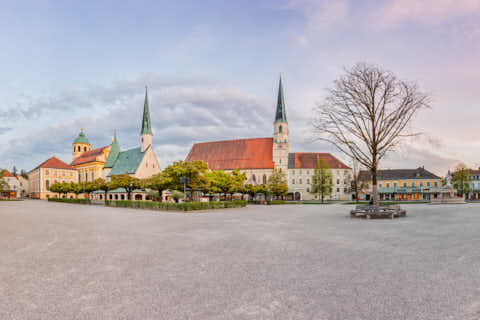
[64, 261]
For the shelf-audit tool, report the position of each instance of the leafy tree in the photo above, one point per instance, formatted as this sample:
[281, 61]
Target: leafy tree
[461, 179]
[251, 190]
[238, 182]
[127, 182]
[322, 179]
[3, 183]
[261, 189]
[159, 182]
[219, 182]
[194, 171]
[277, 183]
[104, 186]
[154, 195]
[60, 188]
[24, 174]
[77, 188]
[177, 195]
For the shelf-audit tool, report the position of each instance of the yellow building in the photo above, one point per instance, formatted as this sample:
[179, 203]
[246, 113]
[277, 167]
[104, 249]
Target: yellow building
[89, 163]
[48, 173]
[401, 184]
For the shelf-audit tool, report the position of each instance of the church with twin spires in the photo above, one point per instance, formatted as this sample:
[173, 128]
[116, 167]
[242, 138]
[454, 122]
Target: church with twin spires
[258, 157]
[104, 162]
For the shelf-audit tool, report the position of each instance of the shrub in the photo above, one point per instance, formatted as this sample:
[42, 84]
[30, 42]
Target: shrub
[169, 206]
[77, 201]
[275, 202]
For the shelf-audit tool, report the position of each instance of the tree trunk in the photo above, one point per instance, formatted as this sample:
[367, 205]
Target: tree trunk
[374, 186]
[105, 196]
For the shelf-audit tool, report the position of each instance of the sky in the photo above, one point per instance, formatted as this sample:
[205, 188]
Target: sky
[212, 69]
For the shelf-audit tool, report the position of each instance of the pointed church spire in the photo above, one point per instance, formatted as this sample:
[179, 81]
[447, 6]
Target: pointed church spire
[146, 127]
[280, 115]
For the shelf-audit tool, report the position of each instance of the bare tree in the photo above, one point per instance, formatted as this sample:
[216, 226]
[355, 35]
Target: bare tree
[366, 114]
[355, 172]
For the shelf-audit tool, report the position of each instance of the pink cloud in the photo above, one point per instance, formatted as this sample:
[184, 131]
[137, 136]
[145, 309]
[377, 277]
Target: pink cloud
[427, 11]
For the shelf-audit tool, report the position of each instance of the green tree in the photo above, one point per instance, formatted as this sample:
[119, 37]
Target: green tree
[3, 183]
[219, 182]
[461, 179]
[24, 174]
[239, 179]
[104, 186]
[194, 171]
[77, 188]
[159, 182]
[322, 179]
[60, 188]
[277, 183]
[251, 190]
[176, 195]
[127, 182]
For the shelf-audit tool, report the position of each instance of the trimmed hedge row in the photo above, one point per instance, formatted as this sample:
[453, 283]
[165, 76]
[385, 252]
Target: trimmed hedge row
[77, 201]
[276, 202]
[185, 206]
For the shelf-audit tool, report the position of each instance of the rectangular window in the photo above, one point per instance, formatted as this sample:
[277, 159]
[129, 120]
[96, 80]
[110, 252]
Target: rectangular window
[308, 181]
[436, 184]
[388, 184]
[413, 184]
[394, 184]
[338, 189]
[338, 181]
[428, 183]
[293, 181]
[421, 184]
[300, 181]
[404, 184]
[380, 185]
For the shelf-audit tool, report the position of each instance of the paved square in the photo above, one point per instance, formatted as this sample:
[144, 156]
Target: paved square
[63, 261]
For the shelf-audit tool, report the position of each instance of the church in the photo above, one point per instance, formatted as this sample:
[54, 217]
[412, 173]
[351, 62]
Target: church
[258, 157]
[107, 161]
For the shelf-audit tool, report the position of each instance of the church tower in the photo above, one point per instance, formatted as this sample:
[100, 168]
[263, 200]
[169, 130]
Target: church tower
[281, 143]
[80, 145]
[146, 133]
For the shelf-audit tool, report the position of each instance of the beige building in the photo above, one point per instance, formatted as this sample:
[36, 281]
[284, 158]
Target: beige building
[48, 173]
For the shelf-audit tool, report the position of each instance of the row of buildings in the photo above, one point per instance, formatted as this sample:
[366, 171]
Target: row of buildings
[257, 157]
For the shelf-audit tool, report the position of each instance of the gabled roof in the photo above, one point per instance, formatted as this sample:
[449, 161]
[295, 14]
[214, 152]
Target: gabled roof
[89, 156]
[253, 153]
[7, 174]
[127, 162]
[113, 155]
[54, 163]
[398, 174]
[309, 160]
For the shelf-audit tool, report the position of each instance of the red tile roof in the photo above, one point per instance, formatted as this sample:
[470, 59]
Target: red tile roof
[253, 153]
[54, 163]
[304, 160]
[7, 174]
[89, 156]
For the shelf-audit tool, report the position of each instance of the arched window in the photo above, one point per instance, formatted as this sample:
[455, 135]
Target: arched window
[264, 179]
[116, 197]
[280, 129]
[86, 176]
[254, 178]
[110, 196]
[47, 184]
[123, 197]
[84, 149]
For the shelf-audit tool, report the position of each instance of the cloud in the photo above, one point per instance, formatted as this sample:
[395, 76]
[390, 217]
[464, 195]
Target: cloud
[182, 112]
[320, 16]
[427, 11]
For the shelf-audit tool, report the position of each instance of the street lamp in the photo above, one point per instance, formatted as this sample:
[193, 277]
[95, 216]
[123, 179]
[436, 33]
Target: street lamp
[184, 180]
[130, 195]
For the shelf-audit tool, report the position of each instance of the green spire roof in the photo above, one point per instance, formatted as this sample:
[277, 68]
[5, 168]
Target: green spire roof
[280, 115]
[114, 151]
[146, 126]
[81, 138]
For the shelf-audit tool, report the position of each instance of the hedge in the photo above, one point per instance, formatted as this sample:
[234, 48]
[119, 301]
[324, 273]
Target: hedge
[276, 202]
[185, 206]
[77, 201]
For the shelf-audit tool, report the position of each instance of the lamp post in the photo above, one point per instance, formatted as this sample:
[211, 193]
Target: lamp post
[184, 180]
